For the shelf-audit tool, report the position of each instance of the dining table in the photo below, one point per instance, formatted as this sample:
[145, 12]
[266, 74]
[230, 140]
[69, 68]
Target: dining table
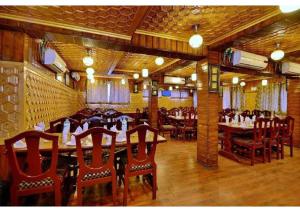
[69, 147]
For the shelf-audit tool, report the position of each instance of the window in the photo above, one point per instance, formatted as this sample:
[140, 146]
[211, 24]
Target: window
[226, 97]
[107, 91]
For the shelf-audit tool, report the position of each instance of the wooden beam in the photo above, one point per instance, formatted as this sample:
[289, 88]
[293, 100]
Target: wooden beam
[115, 62]
[179, 64]
[245, 71]
[165, 66]
[88, 42]
[292, 50]
[249, 28]
[161, 35]
[64, 26]
[141, 13]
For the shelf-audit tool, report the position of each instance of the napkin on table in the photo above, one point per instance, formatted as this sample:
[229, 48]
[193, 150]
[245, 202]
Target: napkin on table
[85, 126]
[227, 119]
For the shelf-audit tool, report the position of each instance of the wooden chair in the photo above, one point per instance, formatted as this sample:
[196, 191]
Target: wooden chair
[163, 126]
[34, 179]
[286, 135]
[256, 113]
[246, 112]
[266, 113]
[188, 124]
[79, 117]
[99, 171]
[250, 145]
[274, 140]
[141, 163]
[95, 121]
[57, 125]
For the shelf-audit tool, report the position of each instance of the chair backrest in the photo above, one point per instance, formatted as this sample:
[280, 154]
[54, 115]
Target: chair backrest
[79, 116]
[173, 111]
[33, 168]
[57, 125]
[246, 112]
[256, 112]
[97, 162]
[189, 119]
[275, 128]
[266, 113]
[96, 121]
[260, 129]
[143, 156]
[288, 127]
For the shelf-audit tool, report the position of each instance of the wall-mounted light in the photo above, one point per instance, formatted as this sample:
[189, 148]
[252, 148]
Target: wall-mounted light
[136, 76]
[159, 61]
[204, 67]
[93, 80]
[170, 88]
[264, 82]
[194, 76]
[123, 81]
[59, 78]
[145, 72]
[145, 86]
[242, 84]
[176, 86]
[235, 80]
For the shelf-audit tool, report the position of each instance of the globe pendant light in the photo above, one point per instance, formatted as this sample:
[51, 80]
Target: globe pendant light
[159, 61]
[136, 76]
[88, 60]
[242, 84]
[235, 80]
[264, 82]
[90, 71]
[123, 81]
[196, 40]
[277, 54]
[92, 80]
[90, 76]
[289, 8]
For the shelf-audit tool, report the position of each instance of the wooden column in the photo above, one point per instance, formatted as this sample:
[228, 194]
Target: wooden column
[208, 106]
[153, 106]
[293, 107]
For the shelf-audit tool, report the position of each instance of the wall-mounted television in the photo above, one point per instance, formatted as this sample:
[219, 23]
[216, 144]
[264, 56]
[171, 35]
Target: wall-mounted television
[166, 93]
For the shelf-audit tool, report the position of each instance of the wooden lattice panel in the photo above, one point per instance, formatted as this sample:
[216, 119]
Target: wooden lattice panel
[10, 98]
[137, 62]
[286, 32]
[46, 99]
[117, 19]
[214, 20]
[73, 54]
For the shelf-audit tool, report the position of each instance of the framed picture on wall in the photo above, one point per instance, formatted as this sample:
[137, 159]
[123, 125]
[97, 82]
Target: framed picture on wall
[214, 78]
[154, 88]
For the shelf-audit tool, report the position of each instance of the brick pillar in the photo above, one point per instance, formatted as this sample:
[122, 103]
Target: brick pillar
[293, 107]
[153, 108]
[207, 138]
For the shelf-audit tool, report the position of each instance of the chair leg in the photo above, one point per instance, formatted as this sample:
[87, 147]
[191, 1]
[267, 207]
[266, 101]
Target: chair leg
[125, 193]
[79, 195]
[57, 195]
[114, 190]
[291, 147]
[252, 157]
[264, 154]
[154, 185]
[13, 198]
[282, 150]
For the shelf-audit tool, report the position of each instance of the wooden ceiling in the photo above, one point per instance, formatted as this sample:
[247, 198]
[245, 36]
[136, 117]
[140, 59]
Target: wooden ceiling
[156, 30]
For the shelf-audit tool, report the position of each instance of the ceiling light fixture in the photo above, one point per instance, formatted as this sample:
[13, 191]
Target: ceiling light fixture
[90, 76]
[145, 72]
[196, 40]
[92, 80]
[264, 82]
[242, 84]
[123, 81]
[90, 71]
[159, 61]
[288, 8]
[204, 67]
[176, 86]
[88, 60]
[194, 76]
[170, 88]
[235, 80]
[136, 76]
[277, 54]
[145, 87]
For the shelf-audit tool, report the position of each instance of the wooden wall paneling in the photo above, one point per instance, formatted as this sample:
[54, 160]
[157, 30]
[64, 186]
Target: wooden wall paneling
[12, 45]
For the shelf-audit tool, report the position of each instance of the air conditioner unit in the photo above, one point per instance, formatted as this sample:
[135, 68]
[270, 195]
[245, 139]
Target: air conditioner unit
[174, 80]
[249, 60]
[290, 68]
[54, 61]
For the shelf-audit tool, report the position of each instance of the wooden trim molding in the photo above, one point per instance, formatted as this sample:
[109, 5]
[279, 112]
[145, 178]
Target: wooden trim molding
[64, 26]
[161, 35]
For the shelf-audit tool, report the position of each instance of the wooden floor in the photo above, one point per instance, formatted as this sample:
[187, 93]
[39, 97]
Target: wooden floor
[184, 182]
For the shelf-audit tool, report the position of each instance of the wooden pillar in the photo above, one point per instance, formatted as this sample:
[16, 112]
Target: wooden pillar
[153, 107]
[208, 106]
[293, 107]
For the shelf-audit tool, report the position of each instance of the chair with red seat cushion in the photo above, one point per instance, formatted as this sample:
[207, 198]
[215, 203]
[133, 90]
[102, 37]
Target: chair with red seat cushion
[250, 145]
[163, 126]
[142, 162]
[100, 170]
[58, 125]
[33, 180]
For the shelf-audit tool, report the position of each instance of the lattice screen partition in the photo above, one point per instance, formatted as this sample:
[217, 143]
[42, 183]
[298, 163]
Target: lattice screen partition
[29, 96]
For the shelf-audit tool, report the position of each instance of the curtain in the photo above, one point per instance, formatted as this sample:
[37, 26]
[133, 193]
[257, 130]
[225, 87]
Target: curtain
[195, 100]
[226, 97]
[97, 91]
[119, 93]
[238, 99]
[108, 91]
[271, 97]
[283, 98]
